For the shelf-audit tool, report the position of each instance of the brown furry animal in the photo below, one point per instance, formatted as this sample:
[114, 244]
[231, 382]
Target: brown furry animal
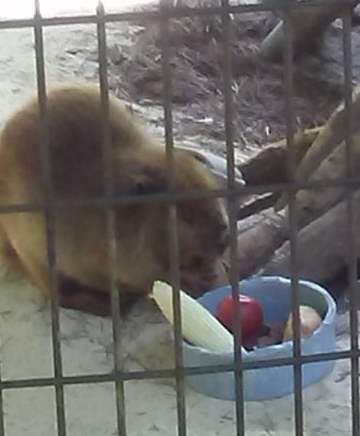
[81, 246]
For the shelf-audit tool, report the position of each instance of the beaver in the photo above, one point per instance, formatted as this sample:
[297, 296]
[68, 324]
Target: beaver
[81, 244]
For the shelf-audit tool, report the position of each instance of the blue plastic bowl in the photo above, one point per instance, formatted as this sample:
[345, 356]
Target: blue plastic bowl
[274, 295]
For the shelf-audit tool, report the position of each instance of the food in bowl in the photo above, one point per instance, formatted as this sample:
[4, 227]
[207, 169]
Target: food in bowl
[199, 326]
[215, 333]
[310, 320]
[274, 293]
[252, 316]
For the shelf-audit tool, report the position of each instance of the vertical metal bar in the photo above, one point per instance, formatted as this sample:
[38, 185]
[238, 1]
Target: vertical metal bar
[293, 218]
[232, 207]
[2, 423]
[173, 226]
[352, 262]
[108, 173]
[49, 216]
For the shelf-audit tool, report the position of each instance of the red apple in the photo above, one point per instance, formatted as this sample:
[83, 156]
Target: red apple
[252, 316]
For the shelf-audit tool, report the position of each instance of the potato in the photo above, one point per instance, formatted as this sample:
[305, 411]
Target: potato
[309, 322]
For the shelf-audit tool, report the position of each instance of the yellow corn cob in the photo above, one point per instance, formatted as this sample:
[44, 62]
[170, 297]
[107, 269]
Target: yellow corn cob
[199, 326]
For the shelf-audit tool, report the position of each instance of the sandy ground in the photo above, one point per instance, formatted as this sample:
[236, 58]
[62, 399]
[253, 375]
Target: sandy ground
[86, 340]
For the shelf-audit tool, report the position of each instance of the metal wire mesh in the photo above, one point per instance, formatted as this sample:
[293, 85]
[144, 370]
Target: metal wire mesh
[162, 16]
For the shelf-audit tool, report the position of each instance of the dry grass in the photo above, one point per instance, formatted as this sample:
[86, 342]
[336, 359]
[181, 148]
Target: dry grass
[197, 70]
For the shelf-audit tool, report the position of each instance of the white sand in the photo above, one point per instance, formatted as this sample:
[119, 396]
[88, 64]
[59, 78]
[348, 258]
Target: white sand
[86, 340]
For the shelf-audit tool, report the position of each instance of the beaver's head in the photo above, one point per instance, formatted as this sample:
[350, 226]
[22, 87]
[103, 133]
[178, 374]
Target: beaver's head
[201, 222]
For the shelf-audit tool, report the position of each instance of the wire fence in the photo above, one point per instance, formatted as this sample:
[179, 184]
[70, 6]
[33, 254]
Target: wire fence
[163, 17]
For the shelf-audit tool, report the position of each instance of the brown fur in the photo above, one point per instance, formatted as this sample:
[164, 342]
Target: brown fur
[74, 117]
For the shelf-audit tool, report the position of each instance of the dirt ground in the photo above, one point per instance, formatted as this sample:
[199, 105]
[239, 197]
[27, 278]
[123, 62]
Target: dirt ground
[196, 64]
[25, 327]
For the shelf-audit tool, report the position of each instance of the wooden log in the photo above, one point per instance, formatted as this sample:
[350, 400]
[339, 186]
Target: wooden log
[257, 205]
[326, 160]
[309, 24]
[258, 238]
[322, 251]
[322, 242]
[313, 203]
[269, 165]
[330, 137]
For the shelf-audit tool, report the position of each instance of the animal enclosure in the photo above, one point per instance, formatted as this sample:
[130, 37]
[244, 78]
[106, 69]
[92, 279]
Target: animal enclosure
[162, 16]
